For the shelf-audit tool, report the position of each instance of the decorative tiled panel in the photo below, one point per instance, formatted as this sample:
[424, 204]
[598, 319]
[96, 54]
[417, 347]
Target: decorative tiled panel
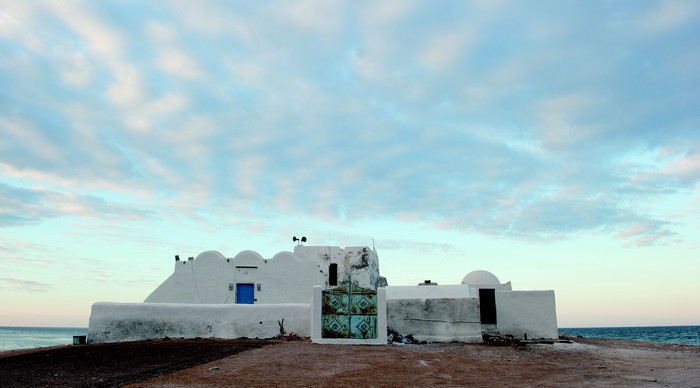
[335, 326]
[335, 303]
[363, 304]
[363, 326]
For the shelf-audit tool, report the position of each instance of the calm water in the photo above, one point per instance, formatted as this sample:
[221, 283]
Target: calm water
[36, 337]
[684, 335]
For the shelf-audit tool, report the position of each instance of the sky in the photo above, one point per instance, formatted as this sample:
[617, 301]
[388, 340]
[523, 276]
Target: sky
[553, 143]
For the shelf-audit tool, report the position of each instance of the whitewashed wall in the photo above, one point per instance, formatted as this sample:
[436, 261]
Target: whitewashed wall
[117, 322]
[434, 313]
[531, 312]
[357, 264]
[198, 300]
[283, 279]
[207, 279]
[451, 312]
[203, 280]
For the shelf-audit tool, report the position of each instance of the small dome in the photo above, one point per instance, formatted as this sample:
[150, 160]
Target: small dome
[480, 277]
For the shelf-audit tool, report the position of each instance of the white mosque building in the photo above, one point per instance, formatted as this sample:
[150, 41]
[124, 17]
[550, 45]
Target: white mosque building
[328, 293]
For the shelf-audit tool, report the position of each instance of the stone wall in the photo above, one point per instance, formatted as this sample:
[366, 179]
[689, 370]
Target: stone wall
[436, 319]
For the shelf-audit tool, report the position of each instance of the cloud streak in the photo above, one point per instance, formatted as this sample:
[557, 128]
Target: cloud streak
[13, 284]
[20, 206]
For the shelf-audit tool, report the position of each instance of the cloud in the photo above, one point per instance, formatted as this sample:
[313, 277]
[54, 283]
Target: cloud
[530, 122]
[24, 285]
[127, 89]
[686, 168]
[205, 16]
[444, 50]
[317, 16]
[420, 248]
[178, 63]
[20, 206]
[101, 37]
[16, 23]
[76, 69]
[564, 121]
[671, 14]
[670, 169]
[647, 234]
[24, 133]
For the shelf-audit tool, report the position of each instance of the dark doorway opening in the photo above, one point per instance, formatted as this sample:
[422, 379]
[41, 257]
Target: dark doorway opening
[333, 275]
[487, 303]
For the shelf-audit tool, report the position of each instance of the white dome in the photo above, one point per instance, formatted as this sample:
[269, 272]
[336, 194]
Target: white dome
[210, 256]
[480, 277]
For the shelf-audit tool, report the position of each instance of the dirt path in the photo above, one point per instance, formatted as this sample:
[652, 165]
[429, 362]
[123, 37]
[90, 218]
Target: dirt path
[584, 363]
[180, 363]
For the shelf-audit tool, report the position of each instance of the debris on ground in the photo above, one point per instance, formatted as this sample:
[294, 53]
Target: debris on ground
[393, 336]
[502, 340]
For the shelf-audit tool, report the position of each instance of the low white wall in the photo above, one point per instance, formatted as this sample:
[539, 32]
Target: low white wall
[116, 322]
[531, 312]
[436, 320]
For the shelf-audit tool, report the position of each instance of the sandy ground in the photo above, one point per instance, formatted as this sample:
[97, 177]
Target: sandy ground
[584, 363]
[180, 363]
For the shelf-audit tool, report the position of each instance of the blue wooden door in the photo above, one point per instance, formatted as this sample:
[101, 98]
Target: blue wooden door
[244, 293]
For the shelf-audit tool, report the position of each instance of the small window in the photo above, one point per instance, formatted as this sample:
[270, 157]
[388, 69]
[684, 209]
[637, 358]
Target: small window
[333, 275]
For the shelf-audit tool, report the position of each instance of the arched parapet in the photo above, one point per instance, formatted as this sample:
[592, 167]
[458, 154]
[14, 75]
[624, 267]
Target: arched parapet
[248, 257]
[214, 256]
[202, 280]
[286, 256]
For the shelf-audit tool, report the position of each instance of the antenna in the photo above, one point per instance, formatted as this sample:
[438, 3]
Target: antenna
[373, 248]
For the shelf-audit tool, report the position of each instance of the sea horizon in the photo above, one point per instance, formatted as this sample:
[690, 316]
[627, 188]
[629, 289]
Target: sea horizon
[29, 337]
[560, 328]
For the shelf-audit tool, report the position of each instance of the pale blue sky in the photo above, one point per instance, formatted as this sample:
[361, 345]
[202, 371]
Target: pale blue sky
[554, 143]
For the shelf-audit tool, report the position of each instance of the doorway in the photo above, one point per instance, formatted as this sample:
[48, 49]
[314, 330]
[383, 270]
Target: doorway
[487, 306]
[245, 293]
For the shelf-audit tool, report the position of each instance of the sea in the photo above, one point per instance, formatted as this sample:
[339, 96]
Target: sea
[12, 338]
[682, 335]
[36, 337]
